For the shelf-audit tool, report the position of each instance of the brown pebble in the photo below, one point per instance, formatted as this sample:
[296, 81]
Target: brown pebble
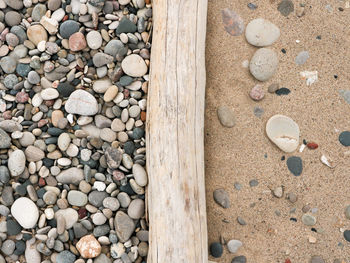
[306, 208]
[273, 87]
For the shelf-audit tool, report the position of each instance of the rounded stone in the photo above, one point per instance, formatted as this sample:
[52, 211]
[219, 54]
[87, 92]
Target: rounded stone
[134, 66]
[221, 198]
[295, 165]
[12, 18]
[8, 64]
[68, 28]
[65, 257]
[77, 198]
[16, 162]
[25, 212]
[308, 220]
[263, 64]
[81, 102]
[233, 245]
[239, 259]
[77, 42]
[33, 77]
[36, 34]
[226, 116]
[136, 209]
[317, 259]
[54, 4]
[344, 138]
[140, 175]
[261, 32]
[94, 39]
[257, 93]
[88, 247]
[216, 249]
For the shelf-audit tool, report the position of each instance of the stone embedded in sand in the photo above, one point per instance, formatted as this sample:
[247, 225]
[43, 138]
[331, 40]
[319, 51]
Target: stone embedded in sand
[344, 138]
[261, 32]
[263, 64]
[285, 7]
[233, 23]
[295, 165]
[88, 247]
[308, 220]
[226, 116]
[221, 198]
[257, 93]
[284, 132]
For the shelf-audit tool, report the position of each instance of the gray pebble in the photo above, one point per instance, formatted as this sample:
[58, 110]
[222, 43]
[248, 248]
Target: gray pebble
[221, 198]
[253, 183]
[302, 57]
[308, 220]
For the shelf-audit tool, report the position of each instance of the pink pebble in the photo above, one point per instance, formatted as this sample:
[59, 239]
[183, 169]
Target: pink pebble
[257, 93]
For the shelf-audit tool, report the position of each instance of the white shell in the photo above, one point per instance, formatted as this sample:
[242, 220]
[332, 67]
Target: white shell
[284, 132]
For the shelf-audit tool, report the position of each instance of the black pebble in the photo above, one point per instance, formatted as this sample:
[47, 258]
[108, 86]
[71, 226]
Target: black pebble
[335, 76]
[282, 91]
[216, 249]
[13, 228]
[295, 165]
[239, 259]
[283, 51]
[293, 219]
[252, 6]
[344, 138]
[347, 235]
[304, 141]
[283, 158]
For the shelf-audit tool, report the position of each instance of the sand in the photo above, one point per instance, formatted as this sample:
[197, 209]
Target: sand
[244, 152]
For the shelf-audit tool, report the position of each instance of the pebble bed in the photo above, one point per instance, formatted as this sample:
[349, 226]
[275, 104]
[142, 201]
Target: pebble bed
[73, 88]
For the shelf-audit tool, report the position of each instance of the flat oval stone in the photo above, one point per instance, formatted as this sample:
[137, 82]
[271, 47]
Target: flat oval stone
[134, 66]
[94, 39]
[36, 34]
[295, 165]
[263, 64]
[317, 259]
[226, 116]
[216, 249]
[70, 216]
[88, 247]
[5, 140]
[233, 245]
[221, 198]
[81, 102]
[124, 226]
[72, 175]
[16, 162]
[347, 235]
[308, 220]
[25, 212]
[261, 32]
[139, 174]
[77, 198]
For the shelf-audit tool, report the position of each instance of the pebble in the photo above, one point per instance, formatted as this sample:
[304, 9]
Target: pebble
[216, 249]
[233, 23]
[94, 40]
[240, 259]
[72, 175]
[81, 102]
[70, 216]
[344, 138]
[221, 198]
[261, 32]
[317, 259]
[77, 42]
[125, 26]
[302, 57]
[25, 212]
[77, 198]
[88, 247]
[134, 66]
[16, 162]
[140, 175]
[347, 235]
[263, 64]
[258, 112]
[226, 116]
[124, 226]
[257, 93]
[136, 209]
[68, 28]
[278, 192]
[282, 91]
[65, 257]
[347, 210]
[5, 140]
[285, 7]
[253, 183]
[100, 59]
[36, 34]
[233, 245]
[308, 220]
[295, 165]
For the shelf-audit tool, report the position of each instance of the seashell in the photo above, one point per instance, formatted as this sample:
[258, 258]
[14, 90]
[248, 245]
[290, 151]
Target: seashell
[284, 132]
[327, 161]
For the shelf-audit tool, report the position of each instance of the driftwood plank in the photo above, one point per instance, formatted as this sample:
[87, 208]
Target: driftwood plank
[175, 133]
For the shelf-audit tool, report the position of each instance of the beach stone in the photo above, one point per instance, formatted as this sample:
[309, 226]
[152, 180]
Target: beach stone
[25, 212]
[8, 64]
[102, 258]
[308, 220]
[33, 77]
[77, 42]
[221, 198]
[8, 247]
[241, 221]
[226, 116]
[5, 140]
[65, 89]
[53, 5]
[125, 26]
[77, 198]
[261, 32]
[136, 209]
[34, 154]
[124, 226]
[16, 162]
[36, 34]
[68, 28]
[233, 23]
[51, 25]
[72, 175]
[70, 216]
[110, 94]
[239, 259]
[81, 102]
[101, 85]
[295, 165]
[32, 255]
[347, 235]
[94, 40]
[285, 7]
[302, 57]
[96, 198]
[292, 197]
[39, 11]
[49, 94]
[216, 249]
[15, 4]
[113, 157]
[347, 209]
[263, 64]
[257, 92]
[140, 175]
[100, 59]
[13, 228]
[88, 247]
[116, 49]
[65, 257]
[134, 66]
[317, 259]
[111, 203]
[344, 138]
[258, 112]
[4, 175]
[12, 18]
[233, 245]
